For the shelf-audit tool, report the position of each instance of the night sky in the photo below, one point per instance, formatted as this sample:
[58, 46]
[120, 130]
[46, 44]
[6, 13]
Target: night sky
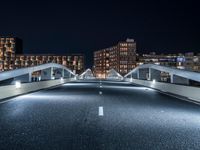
[163, 26]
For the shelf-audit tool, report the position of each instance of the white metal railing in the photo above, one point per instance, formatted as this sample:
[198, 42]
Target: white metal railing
[19, 72]
[172, 71]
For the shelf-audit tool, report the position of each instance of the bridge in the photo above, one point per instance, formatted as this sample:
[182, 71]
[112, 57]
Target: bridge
[49, 107]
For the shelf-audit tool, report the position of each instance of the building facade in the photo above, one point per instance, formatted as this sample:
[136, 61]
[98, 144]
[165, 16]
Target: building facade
[192, 62]
[188, 61]
[101, 63]
[9, 47]
[12, 57]
[75, 62]
[121, 57]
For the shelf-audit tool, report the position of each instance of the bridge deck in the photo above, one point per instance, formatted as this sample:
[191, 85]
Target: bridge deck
[94, 115]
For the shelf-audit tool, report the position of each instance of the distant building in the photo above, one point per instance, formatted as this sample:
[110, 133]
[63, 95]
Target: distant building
[187, 61]
[192, 62]
[75, 62]
[12, 57]
[121, 57]
[101, 63]
[9, 46]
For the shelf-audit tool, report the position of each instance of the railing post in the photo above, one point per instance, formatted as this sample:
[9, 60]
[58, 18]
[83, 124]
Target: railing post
[30, 77]
[63, 73]
[149, 78]
[171, 78]
[138, 74]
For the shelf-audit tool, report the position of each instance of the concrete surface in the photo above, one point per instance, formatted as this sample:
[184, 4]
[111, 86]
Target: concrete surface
[99, 116]
[189, 92]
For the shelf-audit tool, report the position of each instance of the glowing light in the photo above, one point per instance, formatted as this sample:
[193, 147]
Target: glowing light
[61, 80]
[52, 78]
[18, 84]
[154, 81]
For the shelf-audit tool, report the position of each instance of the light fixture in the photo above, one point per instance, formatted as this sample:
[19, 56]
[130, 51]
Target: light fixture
[154, 81]
[18, 84]
[61, 80]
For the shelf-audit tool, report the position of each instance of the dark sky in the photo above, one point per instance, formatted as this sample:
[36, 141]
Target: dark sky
[83, 26]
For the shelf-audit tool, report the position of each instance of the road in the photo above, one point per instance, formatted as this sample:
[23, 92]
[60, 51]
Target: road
[99, 116]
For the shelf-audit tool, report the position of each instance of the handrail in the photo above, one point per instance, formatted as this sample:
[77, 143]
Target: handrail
[173, 71]
[22, 71]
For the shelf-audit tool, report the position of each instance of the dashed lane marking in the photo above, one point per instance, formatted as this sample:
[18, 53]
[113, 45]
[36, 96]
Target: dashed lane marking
[101, 111]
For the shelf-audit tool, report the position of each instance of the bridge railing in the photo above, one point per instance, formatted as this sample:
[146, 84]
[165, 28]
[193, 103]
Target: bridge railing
[24, 80]
[169, 80]
[87, 74]
[49, 71]
[114, 75]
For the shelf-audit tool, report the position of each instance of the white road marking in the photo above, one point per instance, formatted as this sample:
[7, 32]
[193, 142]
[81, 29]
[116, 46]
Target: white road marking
[100, 93]
[101, 111]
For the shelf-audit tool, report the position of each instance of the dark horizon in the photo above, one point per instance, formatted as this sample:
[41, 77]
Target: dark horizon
[82, 27]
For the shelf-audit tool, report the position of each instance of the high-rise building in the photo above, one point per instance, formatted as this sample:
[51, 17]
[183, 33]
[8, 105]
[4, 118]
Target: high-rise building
[9, 46]
[125, 55]
[121, 57]
[101, 63]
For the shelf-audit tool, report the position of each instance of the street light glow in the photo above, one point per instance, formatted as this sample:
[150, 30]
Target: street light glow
[18, 84]
[61, 80]
[154, 81]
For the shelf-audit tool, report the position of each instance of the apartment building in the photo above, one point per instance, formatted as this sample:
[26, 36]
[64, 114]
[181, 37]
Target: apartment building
[121, 57]
[9, 47]
[75, 62]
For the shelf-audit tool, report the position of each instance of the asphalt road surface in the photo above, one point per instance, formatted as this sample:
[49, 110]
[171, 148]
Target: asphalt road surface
[99, 116]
